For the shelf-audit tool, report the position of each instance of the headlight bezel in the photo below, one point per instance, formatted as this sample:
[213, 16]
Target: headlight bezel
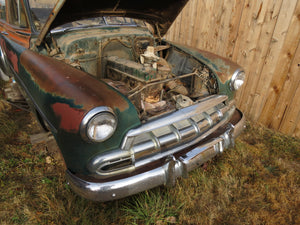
[90, 116]
[235, 77]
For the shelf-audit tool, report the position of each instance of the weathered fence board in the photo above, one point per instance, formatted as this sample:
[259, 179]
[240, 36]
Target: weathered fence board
[262, 36]
[273, 58]
[287, 112]
[286, 57]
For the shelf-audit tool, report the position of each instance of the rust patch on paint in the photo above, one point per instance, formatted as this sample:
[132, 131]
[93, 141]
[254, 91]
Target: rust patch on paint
[70, 118]
[62, 80]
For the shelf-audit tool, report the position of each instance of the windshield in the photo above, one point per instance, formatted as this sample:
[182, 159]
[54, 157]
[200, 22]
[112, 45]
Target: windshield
[41, 9]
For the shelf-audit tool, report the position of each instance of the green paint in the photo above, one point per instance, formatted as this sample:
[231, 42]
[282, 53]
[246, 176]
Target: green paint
[75, 150]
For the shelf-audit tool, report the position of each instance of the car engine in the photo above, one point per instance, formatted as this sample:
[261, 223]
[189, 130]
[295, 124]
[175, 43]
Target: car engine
[154, 76]
[153, 87]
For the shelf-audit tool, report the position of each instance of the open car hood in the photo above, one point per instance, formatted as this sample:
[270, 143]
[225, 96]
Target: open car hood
[160, 14]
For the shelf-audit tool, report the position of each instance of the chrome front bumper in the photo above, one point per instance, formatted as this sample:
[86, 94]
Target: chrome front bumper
[163, 175]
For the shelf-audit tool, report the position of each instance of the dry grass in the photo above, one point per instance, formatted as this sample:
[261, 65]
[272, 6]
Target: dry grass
[257, 182]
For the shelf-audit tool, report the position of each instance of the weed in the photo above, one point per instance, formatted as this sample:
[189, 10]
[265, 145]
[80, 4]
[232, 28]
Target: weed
[151, 207]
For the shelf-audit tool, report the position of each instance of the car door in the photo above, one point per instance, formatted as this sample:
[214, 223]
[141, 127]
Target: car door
[14, 35]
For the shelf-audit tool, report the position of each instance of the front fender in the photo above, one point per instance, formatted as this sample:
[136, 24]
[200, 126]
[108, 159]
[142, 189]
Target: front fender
[64, 95]
[222, 68]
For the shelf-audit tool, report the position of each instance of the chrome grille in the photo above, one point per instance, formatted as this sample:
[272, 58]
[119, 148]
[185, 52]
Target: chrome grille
[165, 136]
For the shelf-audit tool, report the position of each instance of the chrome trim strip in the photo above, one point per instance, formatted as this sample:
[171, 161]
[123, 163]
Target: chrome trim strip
[164, 175]
[202, 106]
[140, 163]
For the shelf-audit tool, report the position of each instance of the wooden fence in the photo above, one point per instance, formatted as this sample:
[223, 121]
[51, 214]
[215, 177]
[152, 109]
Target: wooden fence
[263, 36]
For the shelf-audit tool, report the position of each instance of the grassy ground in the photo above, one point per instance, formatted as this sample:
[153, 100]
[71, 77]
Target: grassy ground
[256, 182]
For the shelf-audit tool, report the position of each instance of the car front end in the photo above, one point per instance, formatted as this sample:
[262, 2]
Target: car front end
[157, 152]
[129, 110]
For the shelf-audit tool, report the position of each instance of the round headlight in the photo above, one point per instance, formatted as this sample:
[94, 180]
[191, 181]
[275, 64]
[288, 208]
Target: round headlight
[101, 127]
[99, 124]
[237, 80]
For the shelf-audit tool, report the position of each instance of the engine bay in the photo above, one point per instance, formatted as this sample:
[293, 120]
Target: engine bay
[155, 76]
[151, 85]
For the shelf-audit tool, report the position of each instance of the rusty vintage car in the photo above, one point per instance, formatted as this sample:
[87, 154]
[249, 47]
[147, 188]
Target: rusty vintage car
[129, 110]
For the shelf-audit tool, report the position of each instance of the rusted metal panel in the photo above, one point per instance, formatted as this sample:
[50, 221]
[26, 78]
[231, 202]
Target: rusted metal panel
[63, 80]
[18, 35]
